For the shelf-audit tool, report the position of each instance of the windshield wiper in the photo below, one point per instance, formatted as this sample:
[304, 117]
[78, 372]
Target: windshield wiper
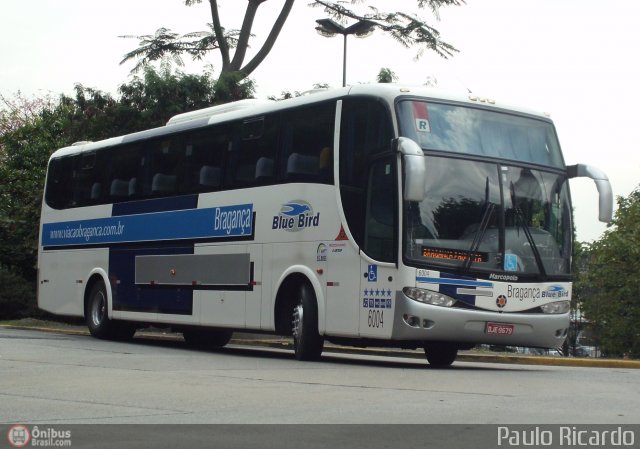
[522, 223]
[479, 235]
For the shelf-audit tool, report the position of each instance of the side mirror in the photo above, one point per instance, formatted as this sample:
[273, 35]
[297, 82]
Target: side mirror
[415, 170]
[602, 184]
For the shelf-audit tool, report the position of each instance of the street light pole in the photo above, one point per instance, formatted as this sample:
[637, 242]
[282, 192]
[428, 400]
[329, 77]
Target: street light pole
[344, 62]
[329, 28]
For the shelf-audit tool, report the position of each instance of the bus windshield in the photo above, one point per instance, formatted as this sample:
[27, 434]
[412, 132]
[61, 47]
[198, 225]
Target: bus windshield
[453, 128]
[484, 216]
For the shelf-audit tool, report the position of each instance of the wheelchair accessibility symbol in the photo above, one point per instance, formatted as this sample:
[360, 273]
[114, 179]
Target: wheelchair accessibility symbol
[510, 262]
[372, 273]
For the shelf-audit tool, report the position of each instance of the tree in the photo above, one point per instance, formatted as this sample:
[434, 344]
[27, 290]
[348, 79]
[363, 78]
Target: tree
[386, 75]
[165, 46]
[151, 100]
[609, 287]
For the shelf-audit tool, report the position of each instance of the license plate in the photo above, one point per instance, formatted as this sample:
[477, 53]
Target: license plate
[500, 329]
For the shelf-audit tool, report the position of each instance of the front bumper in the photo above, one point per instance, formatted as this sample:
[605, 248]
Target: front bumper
[450, 324]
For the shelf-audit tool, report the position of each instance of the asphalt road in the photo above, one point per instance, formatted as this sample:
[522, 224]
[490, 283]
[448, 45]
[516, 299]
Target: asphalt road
[74, 379]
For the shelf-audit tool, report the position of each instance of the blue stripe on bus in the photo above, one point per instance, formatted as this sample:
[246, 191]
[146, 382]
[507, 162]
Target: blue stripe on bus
[214, 222]
[451, 281]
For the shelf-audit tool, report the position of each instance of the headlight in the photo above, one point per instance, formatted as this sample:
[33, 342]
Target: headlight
[556, 307]
[428, 297]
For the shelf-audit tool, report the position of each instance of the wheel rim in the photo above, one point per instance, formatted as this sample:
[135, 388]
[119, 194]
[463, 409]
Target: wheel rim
[297, 322]
[98, 308]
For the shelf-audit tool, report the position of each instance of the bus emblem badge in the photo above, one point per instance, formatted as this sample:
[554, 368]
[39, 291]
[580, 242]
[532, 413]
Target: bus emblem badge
[295, 216]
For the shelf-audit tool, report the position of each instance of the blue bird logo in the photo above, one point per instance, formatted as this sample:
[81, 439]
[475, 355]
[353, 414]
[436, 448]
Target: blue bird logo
[294, 209]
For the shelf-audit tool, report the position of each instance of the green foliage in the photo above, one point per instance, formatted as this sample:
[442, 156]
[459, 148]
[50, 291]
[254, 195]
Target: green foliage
[609, 287]
[168, 47]
[16, 296]
[407, 29]
[386, 75]
[150, 101]
[23, 159]
[30, 130]
[286, 94]
[232, 86]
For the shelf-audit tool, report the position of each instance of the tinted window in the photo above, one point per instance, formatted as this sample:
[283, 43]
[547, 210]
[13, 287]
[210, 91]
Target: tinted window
[253, 153]
[290, 146]
[128, 172]
[307, 141]
[205, 153]
[59, 192]
[380, 224]
[365, 131]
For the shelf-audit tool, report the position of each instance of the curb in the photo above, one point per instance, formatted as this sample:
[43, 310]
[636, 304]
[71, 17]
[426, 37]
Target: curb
[279, 343]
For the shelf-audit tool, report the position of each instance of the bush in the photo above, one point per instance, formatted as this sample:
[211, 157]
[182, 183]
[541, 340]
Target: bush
[17, 296]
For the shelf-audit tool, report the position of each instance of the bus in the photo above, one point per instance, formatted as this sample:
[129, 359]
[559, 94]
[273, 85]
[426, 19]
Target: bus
[371, 215]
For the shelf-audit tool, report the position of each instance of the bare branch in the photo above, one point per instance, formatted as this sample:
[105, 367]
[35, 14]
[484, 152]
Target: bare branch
[219, 32]
[245, 33]
[271, 39]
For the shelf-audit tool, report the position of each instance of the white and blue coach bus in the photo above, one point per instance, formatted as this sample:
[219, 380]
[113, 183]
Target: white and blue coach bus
[375, 215]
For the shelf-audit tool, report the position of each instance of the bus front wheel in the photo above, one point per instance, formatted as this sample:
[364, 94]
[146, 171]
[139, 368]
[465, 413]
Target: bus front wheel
[307, 342]
[97, 317]
[440, 355]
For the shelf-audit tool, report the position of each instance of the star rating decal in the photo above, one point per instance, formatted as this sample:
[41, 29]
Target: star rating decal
[377, 299]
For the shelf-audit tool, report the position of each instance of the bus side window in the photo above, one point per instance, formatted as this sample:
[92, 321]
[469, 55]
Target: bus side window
[380, 224]
[205, 152]
[126, 170]
[251, 159]
[166, 164]
[90, 184]
[307, 139]
[59, 193]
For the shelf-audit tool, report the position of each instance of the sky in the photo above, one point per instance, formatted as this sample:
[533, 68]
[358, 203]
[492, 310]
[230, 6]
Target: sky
[575, 59]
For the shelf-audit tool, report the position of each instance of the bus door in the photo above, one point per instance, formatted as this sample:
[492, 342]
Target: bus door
[379, 243]
[376, 299]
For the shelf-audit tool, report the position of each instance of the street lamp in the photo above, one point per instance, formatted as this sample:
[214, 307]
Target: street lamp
[329, 28]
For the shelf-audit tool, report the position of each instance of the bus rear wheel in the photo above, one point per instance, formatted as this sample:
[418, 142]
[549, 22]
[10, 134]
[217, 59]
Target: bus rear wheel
[307, 342]
[97, 317]
[440, 355]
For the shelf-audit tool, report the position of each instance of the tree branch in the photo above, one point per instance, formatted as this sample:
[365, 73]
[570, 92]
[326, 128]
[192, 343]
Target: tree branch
[407, 29]
[245, 34]
[271, 39]
[217, 28]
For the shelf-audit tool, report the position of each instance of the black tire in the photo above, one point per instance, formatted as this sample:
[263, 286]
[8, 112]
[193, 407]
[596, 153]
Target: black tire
[97, 318]
[207, 338]
[307, 342]
[440, 355]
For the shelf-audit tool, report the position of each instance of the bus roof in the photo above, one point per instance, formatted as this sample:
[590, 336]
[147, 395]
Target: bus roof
[253, 107]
